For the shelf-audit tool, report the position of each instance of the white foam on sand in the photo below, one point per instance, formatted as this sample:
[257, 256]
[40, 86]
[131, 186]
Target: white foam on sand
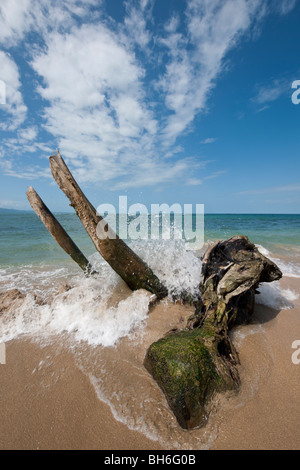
[82, 311]
[288, 268]
[87, 315]
[86, 312]
[273, 296]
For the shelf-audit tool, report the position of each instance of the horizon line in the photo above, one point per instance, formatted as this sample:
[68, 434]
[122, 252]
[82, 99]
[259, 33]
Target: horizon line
[205, 213]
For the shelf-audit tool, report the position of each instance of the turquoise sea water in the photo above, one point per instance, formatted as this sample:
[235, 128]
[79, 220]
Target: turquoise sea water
[93, 314]
[278, 233]
[25, 241]
[31, 260]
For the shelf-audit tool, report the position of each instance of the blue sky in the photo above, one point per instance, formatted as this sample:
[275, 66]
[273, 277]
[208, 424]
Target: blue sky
[165, 101]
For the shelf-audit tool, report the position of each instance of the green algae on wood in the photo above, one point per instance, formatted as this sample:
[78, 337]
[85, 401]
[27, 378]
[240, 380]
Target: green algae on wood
[192, 365]
[185, 367]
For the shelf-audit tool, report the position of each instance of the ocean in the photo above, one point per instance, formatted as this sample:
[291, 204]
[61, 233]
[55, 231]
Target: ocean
[31, 260]
[25, 241]
[106, 326]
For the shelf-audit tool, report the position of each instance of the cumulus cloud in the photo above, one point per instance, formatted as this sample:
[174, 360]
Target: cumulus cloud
[115, 113]
[14, 110]
[135, 22]
[18, 17]
[15, 20]
[97, 104]
[197, 59]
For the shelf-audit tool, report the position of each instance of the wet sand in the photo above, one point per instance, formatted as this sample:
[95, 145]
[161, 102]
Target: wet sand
[48, 402]
[270, 418]
[58, 409]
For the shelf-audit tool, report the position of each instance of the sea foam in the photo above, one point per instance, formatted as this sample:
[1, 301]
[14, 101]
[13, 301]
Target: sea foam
[288, 268]
[101, 309]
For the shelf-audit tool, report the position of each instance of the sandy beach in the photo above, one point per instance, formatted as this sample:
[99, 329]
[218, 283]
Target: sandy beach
[269, 416]
[50, 397]
[55, 408]
[149, 200]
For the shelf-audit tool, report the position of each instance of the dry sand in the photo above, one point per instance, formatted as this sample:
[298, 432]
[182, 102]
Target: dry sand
[47, 402]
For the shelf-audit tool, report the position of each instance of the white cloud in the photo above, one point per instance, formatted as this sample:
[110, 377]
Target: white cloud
[18, 17]
[14, 109]
[209, 140]
[98, 106]
[263, 108]
[33, 173]
[15, 20]
[214, 175]
[99, 103]
[285, 6]
[25, 140]
[28, 134]
[152, 172]
[214, 27]
[138, 14]
[193, 182]
[271, 92]
[275, 189]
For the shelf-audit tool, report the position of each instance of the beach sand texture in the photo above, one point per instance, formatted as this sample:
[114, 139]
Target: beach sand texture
[57, 394]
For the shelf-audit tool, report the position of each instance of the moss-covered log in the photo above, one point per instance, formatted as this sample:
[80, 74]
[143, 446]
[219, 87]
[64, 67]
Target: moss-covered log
[192, 365]
[134, 271]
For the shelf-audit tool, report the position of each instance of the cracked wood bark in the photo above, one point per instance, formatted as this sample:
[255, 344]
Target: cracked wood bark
[134, 271]
[193, 364]
[57, 231]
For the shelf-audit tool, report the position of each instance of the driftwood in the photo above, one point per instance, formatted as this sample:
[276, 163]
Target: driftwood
[57, 231]
[121, 258]
[192, 365]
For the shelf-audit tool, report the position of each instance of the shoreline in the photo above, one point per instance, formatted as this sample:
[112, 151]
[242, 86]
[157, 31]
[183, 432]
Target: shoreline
[56, 410]
[48, 402]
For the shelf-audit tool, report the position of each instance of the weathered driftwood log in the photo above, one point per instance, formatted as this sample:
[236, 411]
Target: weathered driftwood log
[121, 258]
[193, 364]
[57, 231]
